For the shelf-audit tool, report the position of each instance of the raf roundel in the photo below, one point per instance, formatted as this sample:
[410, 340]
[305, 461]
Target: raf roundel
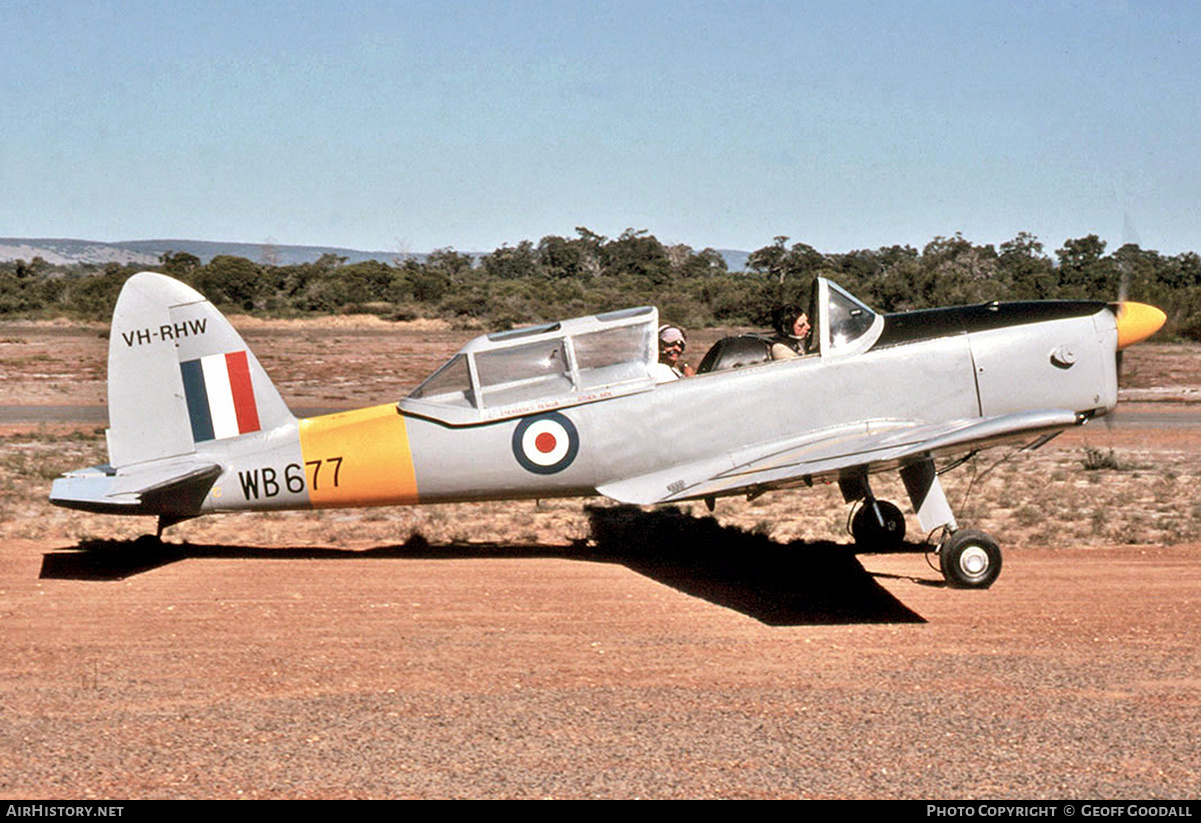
[545, 443]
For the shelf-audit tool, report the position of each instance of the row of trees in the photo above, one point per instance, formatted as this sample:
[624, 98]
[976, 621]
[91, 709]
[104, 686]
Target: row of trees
[564, 276]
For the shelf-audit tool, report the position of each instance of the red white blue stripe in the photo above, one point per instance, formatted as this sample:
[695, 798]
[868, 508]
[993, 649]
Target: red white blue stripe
[220, 396]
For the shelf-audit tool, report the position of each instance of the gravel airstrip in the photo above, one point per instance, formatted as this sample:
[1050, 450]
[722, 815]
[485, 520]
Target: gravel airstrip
[538, 650]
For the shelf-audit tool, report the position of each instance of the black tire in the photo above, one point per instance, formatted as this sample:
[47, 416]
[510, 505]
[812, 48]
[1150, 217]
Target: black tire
[868, 532]
[970, 559]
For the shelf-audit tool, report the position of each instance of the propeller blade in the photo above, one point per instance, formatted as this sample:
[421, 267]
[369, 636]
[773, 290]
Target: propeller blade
[1123, 293]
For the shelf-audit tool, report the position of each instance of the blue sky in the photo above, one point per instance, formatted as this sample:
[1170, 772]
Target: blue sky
[409, 126]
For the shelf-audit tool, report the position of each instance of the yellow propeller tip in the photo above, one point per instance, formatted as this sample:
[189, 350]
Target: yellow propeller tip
[1137, 322]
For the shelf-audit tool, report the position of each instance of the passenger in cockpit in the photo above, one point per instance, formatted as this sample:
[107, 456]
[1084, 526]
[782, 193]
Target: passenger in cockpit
[792, 333]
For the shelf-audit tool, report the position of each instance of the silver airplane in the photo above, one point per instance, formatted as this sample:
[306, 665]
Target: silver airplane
[571, 409]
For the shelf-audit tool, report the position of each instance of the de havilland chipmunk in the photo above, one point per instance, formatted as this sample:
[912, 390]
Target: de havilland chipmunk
[571, 409]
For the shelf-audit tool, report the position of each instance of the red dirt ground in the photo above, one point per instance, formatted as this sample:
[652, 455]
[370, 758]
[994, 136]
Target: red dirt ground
[496, 651]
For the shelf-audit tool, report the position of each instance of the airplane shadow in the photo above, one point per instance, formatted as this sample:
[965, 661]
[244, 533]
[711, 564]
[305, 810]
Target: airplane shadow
[780, 584]
[798, 583]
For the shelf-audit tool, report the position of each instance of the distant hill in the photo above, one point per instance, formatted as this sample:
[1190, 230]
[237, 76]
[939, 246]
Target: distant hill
[64, 252]
[735, 260]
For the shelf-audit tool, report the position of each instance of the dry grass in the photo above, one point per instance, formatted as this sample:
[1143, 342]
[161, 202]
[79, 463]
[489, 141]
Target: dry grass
[1045, 499]
[1094, 487]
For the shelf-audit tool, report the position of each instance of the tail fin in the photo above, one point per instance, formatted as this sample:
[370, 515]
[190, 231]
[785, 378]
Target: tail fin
[179, 375]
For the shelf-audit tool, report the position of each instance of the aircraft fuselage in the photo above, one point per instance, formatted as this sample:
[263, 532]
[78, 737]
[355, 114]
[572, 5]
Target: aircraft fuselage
[382, 456]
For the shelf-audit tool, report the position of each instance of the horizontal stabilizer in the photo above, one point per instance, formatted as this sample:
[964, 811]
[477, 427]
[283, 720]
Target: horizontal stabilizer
[175, 488]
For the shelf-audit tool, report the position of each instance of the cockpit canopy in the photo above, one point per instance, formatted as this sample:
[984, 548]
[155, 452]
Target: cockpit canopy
[554, 365]
[538, 368]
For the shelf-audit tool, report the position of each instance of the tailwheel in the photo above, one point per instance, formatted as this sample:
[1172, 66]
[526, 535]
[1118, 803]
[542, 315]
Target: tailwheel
[970, 559]
[878, 526]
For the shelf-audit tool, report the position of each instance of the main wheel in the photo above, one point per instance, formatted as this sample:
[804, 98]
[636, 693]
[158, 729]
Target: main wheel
[970, 559]
[870, 533]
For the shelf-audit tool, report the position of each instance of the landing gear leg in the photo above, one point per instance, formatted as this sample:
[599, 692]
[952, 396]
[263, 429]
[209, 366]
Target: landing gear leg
[969, 558]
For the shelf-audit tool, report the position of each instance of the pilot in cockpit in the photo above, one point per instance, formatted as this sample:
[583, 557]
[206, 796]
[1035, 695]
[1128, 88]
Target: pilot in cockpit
[792, 333]
[672, 343]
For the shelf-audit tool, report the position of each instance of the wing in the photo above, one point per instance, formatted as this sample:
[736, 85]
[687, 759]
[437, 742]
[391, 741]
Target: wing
[877, 445]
